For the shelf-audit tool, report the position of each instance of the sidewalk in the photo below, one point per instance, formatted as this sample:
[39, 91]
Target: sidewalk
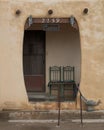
[47, 120]
[65, 125]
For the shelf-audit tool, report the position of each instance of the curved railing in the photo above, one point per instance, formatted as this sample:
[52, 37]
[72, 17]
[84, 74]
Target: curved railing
[87, 102]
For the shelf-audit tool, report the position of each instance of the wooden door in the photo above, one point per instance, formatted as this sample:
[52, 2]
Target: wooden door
[34, 60]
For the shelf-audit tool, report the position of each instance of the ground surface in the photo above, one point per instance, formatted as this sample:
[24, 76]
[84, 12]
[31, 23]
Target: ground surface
[65, 125]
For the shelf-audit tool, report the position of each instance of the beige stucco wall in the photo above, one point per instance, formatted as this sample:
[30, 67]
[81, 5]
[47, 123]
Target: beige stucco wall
[91, 26]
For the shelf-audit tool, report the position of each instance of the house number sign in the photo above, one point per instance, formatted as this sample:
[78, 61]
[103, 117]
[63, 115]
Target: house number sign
[50, 20]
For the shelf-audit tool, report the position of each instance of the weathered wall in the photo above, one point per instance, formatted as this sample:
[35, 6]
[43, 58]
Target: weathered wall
[12, 88]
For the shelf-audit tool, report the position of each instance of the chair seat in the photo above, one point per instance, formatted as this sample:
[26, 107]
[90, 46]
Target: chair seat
[61, 82]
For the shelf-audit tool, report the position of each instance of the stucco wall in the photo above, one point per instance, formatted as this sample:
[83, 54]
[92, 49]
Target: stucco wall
[12, 88]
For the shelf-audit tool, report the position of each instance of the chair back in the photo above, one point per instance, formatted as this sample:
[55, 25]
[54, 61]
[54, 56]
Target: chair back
[68, 74]
[55, 74]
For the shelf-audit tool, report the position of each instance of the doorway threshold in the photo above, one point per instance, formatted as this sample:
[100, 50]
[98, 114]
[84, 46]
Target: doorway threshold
[44, 97]
[40, 97]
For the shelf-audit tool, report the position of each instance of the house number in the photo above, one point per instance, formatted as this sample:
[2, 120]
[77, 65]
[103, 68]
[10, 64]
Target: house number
[50, 20]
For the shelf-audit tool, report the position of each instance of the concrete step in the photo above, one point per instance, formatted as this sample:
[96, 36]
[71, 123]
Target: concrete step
[49, 115]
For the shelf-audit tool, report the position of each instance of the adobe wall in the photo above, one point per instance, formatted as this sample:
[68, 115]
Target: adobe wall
[91, 26]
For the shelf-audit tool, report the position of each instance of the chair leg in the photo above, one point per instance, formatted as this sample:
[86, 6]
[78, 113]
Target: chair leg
[74, 91]
[50, 90]
[62, 91]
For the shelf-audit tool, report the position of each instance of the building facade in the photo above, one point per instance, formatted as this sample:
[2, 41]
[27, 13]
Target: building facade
[37, 34]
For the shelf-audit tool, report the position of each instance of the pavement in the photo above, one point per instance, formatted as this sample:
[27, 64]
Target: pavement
[70, 120]
[64, 125]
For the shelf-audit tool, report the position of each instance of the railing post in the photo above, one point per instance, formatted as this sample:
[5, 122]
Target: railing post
[59, 105]
[81, 116]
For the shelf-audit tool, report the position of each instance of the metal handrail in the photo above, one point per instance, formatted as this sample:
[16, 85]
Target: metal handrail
[88, 103]
[81, 114]
[59, 105]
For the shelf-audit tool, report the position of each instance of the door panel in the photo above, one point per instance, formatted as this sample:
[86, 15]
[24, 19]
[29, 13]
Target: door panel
[33, 60]
[34, 83]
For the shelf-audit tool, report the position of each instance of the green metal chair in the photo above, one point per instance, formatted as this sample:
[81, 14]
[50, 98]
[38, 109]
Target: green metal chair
[69, 80]
[54, 77]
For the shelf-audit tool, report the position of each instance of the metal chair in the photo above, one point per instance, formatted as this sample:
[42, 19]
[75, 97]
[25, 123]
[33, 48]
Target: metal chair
[54, 77]
[69, 81]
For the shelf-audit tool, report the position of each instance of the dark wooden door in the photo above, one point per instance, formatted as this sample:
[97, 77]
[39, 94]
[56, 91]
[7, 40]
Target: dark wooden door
[34, 60]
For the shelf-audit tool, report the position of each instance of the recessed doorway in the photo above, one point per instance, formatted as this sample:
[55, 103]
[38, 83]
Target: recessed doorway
[49, 42]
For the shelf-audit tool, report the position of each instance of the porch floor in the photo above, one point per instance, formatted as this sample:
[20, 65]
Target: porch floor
[40, 97]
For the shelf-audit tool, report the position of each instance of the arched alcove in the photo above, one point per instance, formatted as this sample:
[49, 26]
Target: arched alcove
[49, 42]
